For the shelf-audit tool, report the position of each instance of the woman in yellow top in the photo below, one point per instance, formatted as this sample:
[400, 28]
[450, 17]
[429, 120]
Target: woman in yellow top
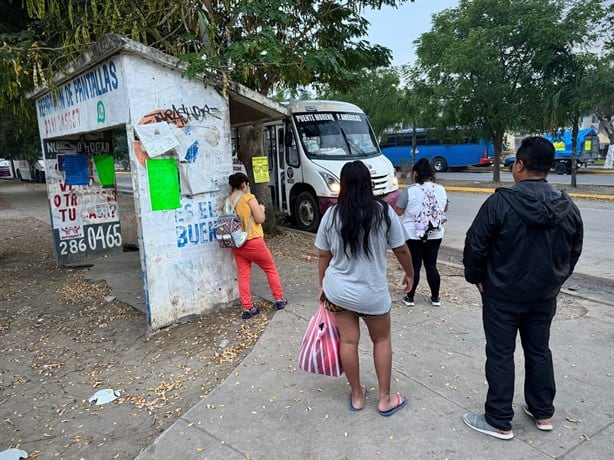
[255, 249]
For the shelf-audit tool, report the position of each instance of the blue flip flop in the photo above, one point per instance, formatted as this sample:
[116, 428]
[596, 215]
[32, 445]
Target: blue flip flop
[351, 406]
[402, 403]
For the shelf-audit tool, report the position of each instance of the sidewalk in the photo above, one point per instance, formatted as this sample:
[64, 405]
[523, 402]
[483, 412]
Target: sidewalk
[268, 409]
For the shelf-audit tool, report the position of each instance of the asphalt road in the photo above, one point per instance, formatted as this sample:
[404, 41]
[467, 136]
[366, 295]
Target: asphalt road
[584, 177]
[594, 274]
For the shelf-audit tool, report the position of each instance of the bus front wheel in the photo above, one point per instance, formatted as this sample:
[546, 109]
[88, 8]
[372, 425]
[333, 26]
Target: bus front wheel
[306, 212]
[440, 164]
[561, 168]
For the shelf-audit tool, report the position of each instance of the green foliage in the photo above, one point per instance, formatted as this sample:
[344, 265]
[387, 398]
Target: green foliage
[378, 93]
[257, 42]
[601, 94]
[263, 43]
[495, 63]
[18, 129]
[19, 137]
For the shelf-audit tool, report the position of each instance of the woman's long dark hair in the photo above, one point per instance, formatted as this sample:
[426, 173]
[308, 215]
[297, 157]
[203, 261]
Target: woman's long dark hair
[358, 210]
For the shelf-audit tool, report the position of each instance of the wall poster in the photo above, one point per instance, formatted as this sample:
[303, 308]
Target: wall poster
[82, 198]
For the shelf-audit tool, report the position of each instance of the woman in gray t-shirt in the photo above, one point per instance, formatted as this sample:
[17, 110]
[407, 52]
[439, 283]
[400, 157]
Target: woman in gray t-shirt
[352, 240]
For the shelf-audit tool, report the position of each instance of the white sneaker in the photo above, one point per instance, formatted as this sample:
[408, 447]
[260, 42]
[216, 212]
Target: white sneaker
[435, 302]
[479, 423]
[540, 426]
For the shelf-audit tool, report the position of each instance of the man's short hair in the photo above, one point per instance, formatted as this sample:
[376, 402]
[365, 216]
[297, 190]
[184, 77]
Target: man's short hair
[537, 154]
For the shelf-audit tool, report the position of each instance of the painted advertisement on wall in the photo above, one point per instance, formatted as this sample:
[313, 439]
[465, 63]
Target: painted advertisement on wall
[91, 101]
[82, 197]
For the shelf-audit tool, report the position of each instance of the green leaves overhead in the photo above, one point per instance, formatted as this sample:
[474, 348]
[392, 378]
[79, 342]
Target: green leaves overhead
[292, 43]
[377, 92]
[257, 42]
[261, 43]
[495, 63]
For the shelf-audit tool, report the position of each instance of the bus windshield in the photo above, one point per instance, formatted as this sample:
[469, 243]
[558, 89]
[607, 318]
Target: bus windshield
[336, 135]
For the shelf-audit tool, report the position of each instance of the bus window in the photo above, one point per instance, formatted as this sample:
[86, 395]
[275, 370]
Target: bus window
[292, 155]
[421, 139]
[390, 141]
[280, 162]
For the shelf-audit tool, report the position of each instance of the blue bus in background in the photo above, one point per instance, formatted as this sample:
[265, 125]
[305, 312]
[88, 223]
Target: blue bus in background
[459, 150]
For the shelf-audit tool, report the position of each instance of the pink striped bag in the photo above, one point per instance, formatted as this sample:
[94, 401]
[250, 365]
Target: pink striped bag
[320, 347]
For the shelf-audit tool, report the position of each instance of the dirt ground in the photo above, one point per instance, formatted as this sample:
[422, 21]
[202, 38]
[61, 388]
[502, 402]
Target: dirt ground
[63, 338]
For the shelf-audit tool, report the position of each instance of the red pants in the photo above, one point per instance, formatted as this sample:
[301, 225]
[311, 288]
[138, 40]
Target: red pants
[255, 251]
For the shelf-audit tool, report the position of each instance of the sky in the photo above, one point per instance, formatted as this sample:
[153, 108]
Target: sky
[397, 28]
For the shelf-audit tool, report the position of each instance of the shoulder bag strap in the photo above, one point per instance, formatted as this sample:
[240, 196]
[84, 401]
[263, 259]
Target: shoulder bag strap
[236, 201]
[251, 217]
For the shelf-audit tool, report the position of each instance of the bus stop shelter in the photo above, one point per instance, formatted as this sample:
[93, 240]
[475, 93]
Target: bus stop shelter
[178, 133]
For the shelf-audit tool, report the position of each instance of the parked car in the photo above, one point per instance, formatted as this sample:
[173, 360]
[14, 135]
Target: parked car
[30, 171]
[5, 169]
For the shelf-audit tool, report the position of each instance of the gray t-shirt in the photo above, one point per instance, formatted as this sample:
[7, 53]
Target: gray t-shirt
[359, 283]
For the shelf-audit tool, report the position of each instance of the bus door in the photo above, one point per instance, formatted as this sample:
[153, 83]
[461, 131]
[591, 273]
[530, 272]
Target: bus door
[275, 150]
[281, 170]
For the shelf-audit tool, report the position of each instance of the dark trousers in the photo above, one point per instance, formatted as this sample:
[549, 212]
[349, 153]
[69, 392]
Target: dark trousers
[425, 252]
[502, 321]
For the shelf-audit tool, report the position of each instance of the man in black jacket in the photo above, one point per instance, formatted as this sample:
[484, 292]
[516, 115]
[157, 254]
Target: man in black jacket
[521, 247]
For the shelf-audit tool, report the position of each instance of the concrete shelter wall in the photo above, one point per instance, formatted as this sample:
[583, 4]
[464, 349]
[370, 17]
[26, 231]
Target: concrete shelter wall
[185, 272]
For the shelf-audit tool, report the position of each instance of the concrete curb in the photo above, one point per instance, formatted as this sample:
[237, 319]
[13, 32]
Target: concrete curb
[564, 290]
[588, 196]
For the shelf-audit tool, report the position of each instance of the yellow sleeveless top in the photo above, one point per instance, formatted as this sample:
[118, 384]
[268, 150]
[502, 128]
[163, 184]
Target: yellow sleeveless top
[244, 212]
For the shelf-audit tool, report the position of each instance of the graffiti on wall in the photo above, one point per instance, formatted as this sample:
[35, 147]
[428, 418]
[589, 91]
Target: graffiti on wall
[194, 222]
[183, 114]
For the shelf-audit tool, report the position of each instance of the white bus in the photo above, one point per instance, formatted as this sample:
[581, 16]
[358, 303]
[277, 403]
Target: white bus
[307, 151]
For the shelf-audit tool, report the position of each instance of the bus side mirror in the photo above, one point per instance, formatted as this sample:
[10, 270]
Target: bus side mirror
[288, 138]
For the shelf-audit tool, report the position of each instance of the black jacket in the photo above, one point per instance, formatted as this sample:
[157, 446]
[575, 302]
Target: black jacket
[524, 243]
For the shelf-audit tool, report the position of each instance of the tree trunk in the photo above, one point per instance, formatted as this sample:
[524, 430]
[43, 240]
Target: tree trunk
[498, 145]
[250, 145]
[574, 151]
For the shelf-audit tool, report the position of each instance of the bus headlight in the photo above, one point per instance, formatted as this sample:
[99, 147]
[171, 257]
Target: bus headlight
[331, 182]
[395, 181]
